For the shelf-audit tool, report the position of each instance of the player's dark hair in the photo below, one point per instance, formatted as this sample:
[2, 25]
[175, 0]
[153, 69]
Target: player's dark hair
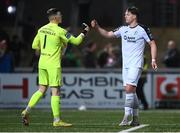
[52, 11]
[134, 10]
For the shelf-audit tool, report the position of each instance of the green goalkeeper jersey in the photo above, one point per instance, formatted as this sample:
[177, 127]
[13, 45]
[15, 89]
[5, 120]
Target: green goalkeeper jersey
[50, 40]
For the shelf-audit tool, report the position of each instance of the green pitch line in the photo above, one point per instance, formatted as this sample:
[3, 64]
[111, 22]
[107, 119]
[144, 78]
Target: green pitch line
[89, 121]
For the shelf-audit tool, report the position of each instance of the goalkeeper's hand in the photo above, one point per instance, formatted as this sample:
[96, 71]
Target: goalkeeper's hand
[85, 28]
[94, 24]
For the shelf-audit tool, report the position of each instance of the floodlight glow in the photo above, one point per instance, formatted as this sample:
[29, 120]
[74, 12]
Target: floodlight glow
[11, 9]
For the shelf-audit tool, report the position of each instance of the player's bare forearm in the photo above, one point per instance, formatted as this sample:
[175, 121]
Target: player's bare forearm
[103, 32]
[153, 49]
[107, 34]
[153, 55]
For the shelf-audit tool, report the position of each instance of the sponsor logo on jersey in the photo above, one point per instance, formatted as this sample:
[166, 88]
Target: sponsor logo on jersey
[129, 38]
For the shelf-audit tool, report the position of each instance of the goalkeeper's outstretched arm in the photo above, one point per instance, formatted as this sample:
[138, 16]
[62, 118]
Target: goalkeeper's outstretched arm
[79, 39]
[76, 40]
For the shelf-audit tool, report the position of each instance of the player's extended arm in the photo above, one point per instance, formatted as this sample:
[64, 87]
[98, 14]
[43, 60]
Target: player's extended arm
[76, 40]
[153, 54]
[103, 32]
[36, 42]
[79, 39]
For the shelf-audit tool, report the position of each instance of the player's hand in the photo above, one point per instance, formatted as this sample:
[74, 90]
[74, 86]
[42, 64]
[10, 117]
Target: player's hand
[94, 24]
[154, 64]
[85, 28]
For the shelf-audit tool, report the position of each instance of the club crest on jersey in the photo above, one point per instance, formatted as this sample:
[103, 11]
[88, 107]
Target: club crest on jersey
[135, 32]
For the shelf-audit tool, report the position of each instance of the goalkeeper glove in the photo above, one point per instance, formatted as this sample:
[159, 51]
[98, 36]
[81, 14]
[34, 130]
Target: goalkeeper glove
[85, 28]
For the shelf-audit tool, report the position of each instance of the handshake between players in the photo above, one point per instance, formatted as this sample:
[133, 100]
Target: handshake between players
[133, 37]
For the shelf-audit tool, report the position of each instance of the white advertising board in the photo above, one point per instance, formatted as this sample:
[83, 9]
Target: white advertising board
[94, 90]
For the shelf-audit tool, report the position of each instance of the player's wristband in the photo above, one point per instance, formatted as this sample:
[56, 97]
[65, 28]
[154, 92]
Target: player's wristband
[153, 60]
[82, 34]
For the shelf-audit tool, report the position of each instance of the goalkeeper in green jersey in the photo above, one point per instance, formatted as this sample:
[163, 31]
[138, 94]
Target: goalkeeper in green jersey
[50, 41]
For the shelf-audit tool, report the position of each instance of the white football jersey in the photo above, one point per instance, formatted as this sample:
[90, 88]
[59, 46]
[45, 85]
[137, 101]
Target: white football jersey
[133, 44]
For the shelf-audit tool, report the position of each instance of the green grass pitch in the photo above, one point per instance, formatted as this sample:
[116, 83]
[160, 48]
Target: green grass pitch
[88, 121]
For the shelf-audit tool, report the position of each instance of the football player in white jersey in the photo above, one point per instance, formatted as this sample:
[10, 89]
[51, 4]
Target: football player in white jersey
[133, 37]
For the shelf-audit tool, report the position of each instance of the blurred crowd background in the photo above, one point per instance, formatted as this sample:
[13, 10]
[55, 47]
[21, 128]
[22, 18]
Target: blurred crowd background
[20, 19]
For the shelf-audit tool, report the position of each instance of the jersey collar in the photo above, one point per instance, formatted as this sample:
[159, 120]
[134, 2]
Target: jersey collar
[133, 26]
[53, 23]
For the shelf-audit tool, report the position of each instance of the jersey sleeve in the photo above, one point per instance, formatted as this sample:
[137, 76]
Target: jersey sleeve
[118, 31]
[69, 38]
[36, 42]
[76, 40]
[64, 35]
[147, 35]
